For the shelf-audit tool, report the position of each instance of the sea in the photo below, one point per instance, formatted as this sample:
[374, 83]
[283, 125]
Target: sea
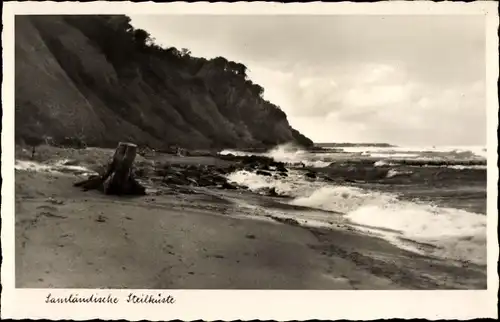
[427, 200]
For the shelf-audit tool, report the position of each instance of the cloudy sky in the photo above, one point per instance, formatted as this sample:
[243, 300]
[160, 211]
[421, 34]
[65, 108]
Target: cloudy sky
[413, 80]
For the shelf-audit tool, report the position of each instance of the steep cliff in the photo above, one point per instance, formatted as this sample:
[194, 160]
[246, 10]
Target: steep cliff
[98, 79]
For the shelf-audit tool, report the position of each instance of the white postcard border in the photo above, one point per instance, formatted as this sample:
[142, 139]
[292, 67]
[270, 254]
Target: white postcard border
[231, 305]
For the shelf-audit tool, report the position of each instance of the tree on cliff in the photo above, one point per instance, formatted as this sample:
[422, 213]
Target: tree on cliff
[237, 68]
[142, 38]
[185, 52]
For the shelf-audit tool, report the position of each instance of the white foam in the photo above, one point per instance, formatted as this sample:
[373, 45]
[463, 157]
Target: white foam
[237, 153]
[392, 155]
[464, 167]
[393, 173]
[290, 185]
[340, 198]
[316, 164]
[382, 163]
[57, 167]
[286, 153]
[31, 166]
[415, 151]
[455, 233]
[63, 164]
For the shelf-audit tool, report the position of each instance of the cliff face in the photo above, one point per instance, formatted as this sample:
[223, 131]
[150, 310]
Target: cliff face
[98, 79]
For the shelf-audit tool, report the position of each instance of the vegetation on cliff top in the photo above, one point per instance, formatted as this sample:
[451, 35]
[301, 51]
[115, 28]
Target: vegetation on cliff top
[100, 80]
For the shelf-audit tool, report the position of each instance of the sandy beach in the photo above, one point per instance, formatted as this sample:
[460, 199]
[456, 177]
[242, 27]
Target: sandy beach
[201, 238]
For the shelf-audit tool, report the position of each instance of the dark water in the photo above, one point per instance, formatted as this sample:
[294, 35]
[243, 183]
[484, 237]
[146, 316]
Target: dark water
[453, 187]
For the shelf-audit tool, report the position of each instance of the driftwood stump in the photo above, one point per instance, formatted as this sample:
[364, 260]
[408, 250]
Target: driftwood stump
[118, 178]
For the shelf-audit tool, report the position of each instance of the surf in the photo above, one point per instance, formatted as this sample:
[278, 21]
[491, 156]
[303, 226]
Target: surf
[419, 226]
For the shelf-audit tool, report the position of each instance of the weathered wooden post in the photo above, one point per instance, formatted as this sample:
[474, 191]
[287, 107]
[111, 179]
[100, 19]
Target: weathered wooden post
[118, 178]
[118, 175]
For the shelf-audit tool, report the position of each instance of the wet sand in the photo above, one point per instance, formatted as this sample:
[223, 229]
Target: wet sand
[197, 239]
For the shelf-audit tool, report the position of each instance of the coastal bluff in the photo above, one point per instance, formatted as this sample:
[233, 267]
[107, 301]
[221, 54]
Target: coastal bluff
[99, 80]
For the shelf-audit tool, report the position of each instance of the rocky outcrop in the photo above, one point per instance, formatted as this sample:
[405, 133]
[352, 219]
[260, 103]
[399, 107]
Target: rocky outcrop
[97, 80]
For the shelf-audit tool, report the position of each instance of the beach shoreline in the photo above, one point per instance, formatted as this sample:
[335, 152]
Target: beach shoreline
[200, 238]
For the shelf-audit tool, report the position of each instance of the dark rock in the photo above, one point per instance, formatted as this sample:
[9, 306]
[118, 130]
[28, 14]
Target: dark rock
[135, 188]
[177, 180]
[252, 166]
[263, 173]
[206, 181]
[93, 182]
[265, 167]
[288, 221]
[281, 168]
[270, 192]
[219, 179]
[311, 175]
[101, 219]
[230, 169]
[328, 178]
[220, 170]
[227, 185]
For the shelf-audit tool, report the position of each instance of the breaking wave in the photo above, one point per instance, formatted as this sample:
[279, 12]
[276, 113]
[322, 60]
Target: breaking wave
[289, 154]
[417, 152]
[418, 227]
[459, 158]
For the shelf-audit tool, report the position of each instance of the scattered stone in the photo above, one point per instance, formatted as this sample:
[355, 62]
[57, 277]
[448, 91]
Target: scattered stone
[280, 167]
[263, 173]
[270, 192]
[265, 167]
[101, 219]
[311, 175]
[250, 236]
[49, 214]
[227, 185]
[289, 221]
[54, 201]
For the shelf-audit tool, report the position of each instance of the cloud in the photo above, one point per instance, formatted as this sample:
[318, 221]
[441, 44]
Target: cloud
[410, 79]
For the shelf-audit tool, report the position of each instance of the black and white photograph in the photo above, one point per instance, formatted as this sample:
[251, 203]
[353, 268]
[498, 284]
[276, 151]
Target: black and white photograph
[163, 151]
